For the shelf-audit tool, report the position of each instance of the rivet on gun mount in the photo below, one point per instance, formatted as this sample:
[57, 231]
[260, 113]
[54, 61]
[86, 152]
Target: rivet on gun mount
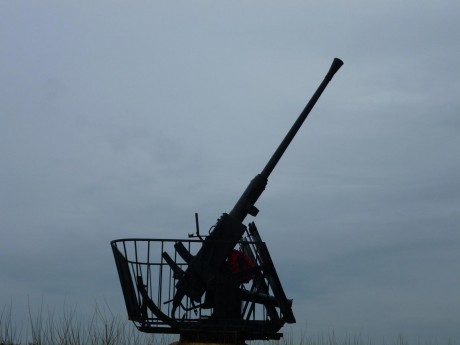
[222, 287]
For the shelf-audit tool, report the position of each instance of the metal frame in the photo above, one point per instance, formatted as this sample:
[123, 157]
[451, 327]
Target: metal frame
[149, 283]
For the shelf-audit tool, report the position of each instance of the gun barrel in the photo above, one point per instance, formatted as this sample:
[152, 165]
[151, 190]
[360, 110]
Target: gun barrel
[336, 64]
[246, 203]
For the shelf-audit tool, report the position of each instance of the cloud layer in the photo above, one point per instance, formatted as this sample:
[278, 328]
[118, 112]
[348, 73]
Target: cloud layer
[123, 119]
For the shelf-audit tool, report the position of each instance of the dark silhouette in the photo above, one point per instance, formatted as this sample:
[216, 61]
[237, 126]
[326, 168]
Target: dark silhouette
[229, 291]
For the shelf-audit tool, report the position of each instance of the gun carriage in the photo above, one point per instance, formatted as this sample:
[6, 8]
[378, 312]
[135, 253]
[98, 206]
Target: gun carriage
[222, 287]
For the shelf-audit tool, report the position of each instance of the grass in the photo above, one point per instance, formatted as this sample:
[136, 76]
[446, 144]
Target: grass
[45, 327]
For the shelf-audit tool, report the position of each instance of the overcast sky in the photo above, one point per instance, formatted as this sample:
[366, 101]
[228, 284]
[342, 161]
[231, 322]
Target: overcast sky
[124, 118]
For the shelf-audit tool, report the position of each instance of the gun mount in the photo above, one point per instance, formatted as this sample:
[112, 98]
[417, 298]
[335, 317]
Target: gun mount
[222, 287]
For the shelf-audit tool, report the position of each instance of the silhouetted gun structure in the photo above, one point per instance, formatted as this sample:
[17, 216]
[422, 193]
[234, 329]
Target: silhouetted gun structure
[203, 296]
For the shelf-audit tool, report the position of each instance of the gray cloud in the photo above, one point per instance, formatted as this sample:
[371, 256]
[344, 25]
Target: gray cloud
[122, 120]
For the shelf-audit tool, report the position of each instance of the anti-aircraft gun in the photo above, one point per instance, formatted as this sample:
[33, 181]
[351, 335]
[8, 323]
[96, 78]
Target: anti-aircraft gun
[222, 287]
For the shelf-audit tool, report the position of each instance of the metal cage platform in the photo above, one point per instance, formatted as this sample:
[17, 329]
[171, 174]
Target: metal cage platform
[149, 270]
